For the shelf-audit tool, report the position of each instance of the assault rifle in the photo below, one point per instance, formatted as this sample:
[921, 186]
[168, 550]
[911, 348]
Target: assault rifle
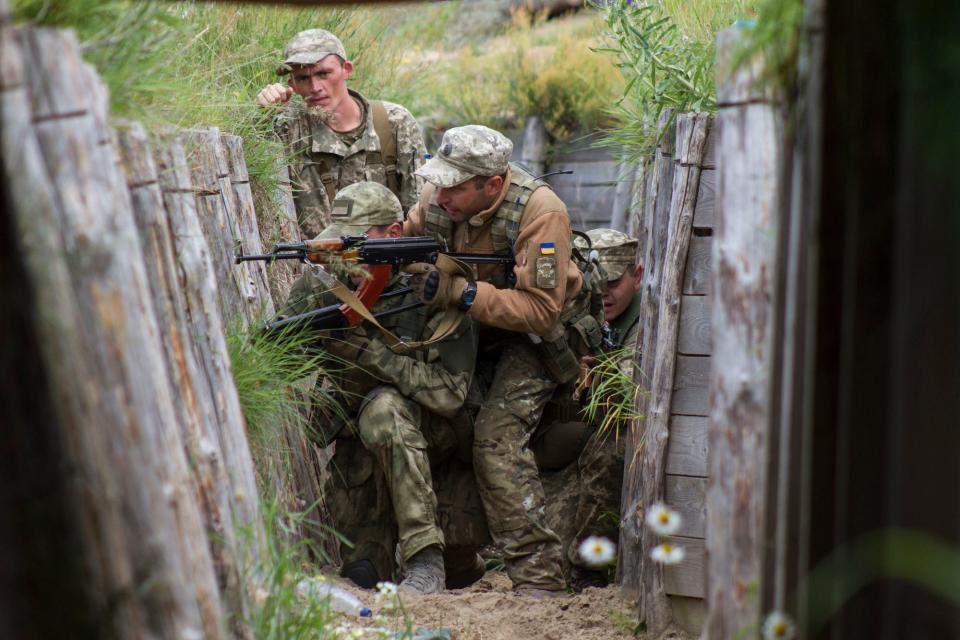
[381, 254]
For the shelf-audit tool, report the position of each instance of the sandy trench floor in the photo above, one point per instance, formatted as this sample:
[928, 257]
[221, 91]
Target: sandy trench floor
[490, 610]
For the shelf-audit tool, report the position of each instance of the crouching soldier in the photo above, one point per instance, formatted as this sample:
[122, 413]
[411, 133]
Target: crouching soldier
[391, 419]
[584, 490]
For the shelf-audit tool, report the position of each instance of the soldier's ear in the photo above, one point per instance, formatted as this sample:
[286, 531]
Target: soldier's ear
[493, 185]
[347, 68]
[637, 275]
[395, 230]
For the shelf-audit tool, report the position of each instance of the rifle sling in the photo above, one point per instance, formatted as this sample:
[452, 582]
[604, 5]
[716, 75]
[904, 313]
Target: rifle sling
[449, 323]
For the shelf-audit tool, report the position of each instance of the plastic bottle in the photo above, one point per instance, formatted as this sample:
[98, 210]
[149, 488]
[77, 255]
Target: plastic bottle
[339, 599]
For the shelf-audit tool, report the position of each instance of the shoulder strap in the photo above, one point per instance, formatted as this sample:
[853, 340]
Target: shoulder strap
[388, 144]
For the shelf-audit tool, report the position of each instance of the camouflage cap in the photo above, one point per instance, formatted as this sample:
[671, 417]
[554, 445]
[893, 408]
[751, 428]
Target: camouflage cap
[310, 47]
[616, 250]
[465, 152]
[360, 206]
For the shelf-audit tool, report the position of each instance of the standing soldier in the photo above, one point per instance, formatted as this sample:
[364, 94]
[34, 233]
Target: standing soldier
[476, 201]
[335, 136]
[392, 420]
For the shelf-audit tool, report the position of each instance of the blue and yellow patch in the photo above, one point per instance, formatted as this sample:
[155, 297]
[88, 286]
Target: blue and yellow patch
[547, 248]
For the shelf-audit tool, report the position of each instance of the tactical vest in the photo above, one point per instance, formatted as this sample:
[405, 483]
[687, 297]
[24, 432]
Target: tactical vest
[328, 165]
[505, 224]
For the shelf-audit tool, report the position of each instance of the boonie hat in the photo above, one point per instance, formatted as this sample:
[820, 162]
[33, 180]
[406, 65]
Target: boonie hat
[616, 250]
[465, 152]
[310, 47]
[360, 206]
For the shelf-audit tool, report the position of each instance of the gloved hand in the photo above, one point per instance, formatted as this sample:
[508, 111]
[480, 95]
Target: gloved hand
[434, 287]
[348, 346]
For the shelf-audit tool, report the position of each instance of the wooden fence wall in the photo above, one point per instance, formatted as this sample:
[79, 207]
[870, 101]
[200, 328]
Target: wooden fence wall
[128, 244]
[707, 233]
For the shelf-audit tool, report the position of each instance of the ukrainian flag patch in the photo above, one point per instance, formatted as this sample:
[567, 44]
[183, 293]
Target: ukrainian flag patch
[547, 248]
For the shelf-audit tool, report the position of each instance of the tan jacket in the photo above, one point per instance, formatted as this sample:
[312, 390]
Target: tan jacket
[526, 308]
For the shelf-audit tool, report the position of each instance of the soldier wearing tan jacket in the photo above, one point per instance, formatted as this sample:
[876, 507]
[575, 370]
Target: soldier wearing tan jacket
[477, 202]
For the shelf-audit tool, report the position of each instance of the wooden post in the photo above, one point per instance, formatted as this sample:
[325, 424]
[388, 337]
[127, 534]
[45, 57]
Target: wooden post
[692, 132]
[131, 493]
[653, 241]
[743, 255]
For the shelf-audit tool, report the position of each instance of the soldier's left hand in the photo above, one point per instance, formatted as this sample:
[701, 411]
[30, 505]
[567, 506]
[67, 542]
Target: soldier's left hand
[434, 287]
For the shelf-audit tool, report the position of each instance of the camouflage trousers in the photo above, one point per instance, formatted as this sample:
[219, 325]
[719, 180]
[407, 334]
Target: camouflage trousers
[584, 498]
[506, 470]
[381, 490]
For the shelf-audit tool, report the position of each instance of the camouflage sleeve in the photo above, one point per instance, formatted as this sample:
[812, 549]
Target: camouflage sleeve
[440, 383]
[627, 364]
[410, 153]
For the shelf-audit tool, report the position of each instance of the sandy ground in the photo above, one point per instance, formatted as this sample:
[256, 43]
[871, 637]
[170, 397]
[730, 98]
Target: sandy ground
[489, 610]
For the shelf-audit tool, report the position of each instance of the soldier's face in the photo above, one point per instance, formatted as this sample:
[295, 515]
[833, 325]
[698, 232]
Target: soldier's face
[323, 84]
[618, 293]
[465, 200]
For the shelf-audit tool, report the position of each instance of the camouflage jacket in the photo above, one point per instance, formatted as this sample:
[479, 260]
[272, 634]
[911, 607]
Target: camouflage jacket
[627, 327]
[321, 164]
[436, 378]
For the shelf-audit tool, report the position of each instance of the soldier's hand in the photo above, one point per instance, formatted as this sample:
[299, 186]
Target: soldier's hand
[274, 93]
[434, 287]
[349, 346]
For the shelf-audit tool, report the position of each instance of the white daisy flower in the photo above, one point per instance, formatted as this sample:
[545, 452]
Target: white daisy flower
[597, 551]
[387, 589]
[667, 553]
[663, 520]
[778, 626]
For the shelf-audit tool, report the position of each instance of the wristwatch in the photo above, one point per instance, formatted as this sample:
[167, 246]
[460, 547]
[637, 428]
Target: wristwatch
[468, 295]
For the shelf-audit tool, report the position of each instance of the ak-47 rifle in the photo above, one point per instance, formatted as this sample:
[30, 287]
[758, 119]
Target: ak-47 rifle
[381, 254]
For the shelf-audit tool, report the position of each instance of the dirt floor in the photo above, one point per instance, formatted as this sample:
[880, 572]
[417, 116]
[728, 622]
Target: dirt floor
[489, 610]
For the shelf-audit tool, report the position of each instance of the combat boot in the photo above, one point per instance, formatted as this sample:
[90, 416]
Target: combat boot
[463, 566]
[425, 572]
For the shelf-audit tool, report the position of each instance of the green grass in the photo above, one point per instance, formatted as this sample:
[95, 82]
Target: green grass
[612, 395]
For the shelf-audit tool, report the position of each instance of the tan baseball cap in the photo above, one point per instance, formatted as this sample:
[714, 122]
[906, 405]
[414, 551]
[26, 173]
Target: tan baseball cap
[310, 47]
[360, 206]
[616, 250]
[465, 152]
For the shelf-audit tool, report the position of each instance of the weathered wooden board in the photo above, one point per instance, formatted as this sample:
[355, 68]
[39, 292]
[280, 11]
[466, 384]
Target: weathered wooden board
[653, 238]
[689, 613]
[691, 386]
[687, 449]
[278, 223]
[744, 254]
[688, 577]
[710, 153]
[692, 132]
[688, 496]
[706, 201]
[695, 337]
[696, 277]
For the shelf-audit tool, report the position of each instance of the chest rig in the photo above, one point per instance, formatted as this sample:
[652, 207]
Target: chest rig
[504, 223]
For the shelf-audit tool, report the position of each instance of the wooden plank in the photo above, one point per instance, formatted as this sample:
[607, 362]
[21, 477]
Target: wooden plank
[744, 253]
[706, 199]
[246, 215]
[696, 277]
[653, 237]
[692, 132]
[687, 449]
[687, 578]
[695, 338]
[691, 386]
[689, 613]
[278, 223]
[688, 497]
[710, 153]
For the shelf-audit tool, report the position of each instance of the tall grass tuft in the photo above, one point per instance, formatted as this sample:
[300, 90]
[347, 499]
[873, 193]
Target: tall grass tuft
[612, 394]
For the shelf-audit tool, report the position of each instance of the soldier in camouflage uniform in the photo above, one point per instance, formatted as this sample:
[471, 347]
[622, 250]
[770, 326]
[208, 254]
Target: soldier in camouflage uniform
[335, 136]
[585, 496]
[476, 201]
[396, 414]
